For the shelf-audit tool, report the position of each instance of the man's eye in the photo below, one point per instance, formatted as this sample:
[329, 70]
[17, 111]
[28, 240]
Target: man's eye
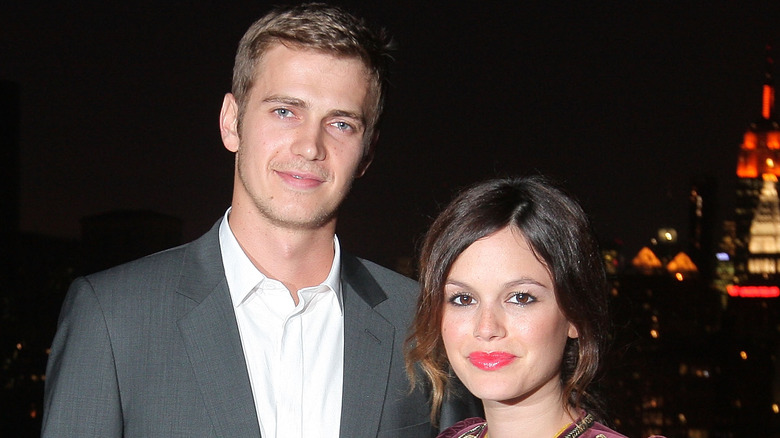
[521, 298]
[283, 112]
[462, 300]
[342, 126]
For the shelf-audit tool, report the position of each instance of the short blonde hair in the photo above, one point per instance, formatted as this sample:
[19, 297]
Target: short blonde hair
[320, 27]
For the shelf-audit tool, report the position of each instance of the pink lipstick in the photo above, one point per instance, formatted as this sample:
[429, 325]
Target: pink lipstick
[490, 361]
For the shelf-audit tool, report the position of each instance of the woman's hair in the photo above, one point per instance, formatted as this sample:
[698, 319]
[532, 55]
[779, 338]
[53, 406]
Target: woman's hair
[560, 236]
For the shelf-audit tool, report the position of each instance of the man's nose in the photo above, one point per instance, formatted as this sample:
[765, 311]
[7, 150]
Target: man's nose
[309, 142]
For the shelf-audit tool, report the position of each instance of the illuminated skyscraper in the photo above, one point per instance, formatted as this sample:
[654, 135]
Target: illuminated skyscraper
[751, 320]
[757, 216]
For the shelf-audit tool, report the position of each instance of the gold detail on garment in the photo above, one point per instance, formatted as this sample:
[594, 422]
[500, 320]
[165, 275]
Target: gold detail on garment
[580, 427]
[474, 432]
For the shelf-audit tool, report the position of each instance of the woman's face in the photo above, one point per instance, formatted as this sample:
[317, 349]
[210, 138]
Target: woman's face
[503, 331]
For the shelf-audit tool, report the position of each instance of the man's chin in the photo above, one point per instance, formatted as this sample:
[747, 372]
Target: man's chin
[302, 222]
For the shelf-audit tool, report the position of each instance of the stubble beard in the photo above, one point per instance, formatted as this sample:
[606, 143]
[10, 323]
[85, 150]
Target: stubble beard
[276, 216]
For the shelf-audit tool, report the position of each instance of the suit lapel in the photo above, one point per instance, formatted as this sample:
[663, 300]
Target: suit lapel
[211, 338]
[368, 347]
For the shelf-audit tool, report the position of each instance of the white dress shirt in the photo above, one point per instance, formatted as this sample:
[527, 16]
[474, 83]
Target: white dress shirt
[294, 354]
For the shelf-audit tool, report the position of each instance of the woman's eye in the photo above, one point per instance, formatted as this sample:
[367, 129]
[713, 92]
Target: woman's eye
[521, 298]
[462, 300]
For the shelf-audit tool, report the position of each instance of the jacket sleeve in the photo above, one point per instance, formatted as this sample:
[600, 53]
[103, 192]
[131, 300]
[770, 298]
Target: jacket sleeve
[81, 397]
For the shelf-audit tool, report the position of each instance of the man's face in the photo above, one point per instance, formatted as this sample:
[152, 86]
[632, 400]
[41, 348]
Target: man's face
[301, 142]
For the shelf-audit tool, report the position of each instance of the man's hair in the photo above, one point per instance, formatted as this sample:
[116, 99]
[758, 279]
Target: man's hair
[561, 238]
[320, 27]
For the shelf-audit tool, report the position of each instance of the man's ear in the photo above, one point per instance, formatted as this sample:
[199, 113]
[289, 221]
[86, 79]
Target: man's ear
[228, 123]
[368, 155]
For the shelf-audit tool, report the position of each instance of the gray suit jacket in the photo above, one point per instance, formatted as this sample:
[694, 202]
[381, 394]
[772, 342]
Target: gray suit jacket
[152, 349]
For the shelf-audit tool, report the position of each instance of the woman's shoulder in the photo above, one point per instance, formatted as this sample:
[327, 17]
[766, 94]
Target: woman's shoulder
[598, 430]
[471, 427]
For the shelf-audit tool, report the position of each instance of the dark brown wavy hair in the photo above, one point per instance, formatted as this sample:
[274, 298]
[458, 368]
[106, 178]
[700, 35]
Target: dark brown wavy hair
[562, 239]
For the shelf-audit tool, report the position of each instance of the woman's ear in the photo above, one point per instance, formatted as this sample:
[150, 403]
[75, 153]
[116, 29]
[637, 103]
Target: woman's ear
[573, 333]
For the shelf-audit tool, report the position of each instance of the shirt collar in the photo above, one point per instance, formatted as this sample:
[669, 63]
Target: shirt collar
[243, 277]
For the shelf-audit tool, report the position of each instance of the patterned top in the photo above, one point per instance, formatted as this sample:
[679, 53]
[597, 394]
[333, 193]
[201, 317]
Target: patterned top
[584, 427]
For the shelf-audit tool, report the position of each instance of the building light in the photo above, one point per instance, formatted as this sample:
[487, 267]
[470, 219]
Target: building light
[722, 256]
[772, 140]
[654, 333]
[651, 403]
[775, 408]
[667, 235]
[750, 140]
[768, 101]
[753, 291]
[743, 354]
[678, 276]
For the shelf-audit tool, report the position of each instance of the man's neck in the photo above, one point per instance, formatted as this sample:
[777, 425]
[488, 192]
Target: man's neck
[298, 258]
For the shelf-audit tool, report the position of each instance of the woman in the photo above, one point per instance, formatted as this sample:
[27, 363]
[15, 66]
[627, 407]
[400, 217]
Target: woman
[514, 302]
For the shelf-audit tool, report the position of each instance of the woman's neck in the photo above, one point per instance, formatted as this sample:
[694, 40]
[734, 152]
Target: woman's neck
[541, 420]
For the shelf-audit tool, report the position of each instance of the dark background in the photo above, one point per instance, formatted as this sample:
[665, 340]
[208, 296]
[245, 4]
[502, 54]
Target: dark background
[624, 102]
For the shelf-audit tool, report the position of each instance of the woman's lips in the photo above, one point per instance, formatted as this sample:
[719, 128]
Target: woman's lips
[490, 361]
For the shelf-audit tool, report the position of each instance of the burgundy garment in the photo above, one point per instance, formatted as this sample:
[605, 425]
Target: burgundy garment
[477, 428]
[461, 429]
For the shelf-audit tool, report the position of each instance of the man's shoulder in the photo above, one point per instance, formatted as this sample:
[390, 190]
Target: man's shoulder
[160, 269]
[151, 265]
[385, 291]
[384, 277]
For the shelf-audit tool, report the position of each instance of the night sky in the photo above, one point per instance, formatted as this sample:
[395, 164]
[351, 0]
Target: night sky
[624, 102]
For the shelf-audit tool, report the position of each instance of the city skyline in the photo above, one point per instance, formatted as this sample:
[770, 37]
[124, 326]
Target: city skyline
[624, 104]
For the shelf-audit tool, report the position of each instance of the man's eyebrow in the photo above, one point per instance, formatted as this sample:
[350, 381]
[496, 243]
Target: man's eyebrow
[349, 114]
[292, 101]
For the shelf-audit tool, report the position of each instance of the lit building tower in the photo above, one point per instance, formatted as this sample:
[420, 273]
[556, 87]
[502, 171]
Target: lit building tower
[757, 215]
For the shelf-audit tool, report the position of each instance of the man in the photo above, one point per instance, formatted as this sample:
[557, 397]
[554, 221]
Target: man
[262, 327]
